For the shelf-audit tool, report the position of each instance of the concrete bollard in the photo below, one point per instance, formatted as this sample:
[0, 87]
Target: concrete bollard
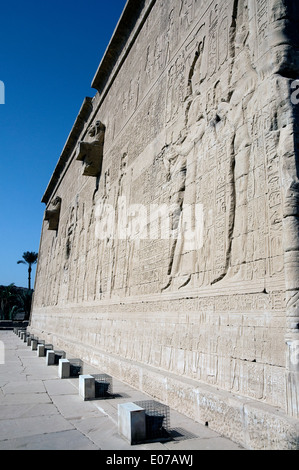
[64, 368]
[40, 350]
[34, 344]
[29, 340]
[87, 387]
[132, 423]
[50, 358]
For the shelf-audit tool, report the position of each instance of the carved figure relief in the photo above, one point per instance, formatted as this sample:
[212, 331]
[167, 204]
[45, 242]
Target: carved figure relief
[240, 105]
[224, 146]
[115, 277]
[176, 88]
[104, 242]
[178, 160]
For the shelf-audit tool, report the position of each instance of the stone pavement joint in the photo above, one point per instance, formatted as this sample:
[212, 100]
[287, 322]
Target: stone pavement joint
[40, 411]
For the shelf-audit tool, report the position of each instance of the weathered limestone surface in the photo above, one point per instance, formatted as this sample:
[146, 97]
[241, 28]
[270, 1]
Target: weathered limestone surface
[169, 252]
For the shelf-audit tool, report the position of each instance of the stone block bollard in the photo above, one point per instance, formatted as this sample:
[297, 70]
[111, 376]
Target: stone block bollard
[40, 350]
[34, 344]
[132, 423]
[87, 387]
[64, 368]
[50, 359]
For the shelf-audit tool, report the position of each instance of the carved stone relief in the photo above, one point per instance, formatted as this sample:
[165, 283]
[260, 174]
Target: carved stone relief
[202, 124]
[90, 152]
[53, 213]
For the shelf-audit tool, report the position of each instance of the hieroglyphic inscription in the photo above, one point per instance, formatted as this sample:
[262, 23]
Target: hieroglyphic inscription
[197, 121]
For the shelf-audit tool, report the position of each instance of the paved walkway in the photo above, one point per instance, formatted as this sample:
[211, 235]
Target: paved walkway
[39, 411]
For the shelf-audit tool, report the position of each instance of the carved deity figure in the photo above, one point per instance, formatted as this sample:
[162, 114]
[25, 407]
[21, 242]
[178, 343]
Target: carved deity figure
[242, 107]
[119, 238]
[227, 144]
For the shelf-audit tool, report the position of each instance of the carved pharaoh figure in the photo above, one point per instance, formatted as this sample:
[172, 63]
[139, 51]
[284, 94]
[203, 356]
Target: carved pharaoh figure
[180, 164]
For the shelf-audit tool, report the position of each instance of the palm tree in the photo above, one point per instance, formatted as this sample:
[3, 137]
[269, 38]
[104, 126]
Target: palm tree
[29, 258]
[7, 300]
[24, 301]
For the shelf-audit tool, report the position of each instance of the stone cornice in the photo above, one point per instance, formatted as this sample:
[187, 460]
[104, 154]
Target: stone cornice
[126, 32]
[71, 142]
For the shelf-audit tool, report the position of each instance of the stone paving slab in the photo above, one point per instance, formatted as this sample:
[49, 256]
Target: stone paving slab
[26, 399]
[66, 440]
[20, 411]
[40, 411]
[23, 427]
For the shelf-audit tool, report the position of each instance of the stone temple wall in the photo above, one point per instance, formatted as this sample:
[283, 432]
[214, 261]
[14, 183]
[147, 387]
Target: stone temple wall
[169, 253]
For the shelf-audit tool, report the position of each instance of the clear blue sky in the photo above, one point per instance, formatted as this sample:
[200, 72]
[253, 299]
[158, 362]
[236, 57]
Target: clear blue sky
[49, 53]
